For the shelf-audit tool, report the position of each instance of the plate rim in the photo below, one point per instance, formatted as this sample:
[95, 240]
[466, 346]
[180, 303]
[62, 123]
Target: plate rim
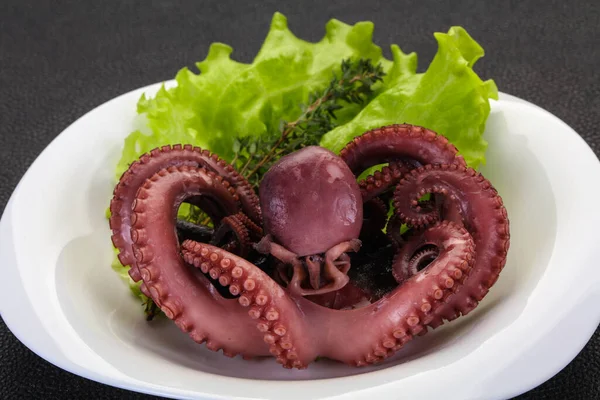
[166, 391]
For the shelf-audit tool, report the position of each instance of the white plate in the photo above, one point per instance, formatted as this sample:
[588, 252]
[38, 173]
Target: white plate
[62, 300]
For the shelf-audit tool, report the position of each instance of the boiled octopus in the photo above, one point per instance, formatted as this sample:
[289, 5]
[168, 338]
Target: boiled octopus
[319, 264]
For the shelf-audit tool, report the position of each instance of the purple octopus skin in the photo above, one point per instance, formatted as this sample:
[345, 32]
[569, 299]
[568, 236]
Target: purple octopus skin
[481, 211]
[186, 297]
[406, 146]
[299, 330]
[310, 201]
[443, 269]
[399, 142]
[149, 164]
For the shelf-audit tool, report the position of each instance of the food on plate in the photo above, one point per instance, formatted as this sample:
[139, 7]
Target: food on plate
[317, 207]
[298, 304]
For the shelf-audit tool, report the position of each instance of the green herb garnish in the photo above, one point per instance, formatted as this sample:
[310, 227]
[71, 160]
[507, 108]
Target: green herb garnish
[254, 154]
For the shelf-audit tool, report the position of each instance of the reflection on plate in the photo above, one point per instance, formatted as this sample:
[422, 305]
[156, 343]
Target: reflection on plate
[68, 306]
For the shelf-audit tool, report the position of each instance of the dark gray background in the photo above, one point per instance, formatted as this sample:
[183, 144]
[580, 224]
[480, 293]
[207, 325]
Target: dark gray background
[58, 60]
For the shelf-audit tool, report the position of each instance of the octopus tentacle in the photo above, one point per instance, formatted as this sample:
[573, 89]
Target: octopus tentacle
[376, 184]
[422, 258]
[185, 295]
[484, 216]
[410, 254]
[399, 142]
[425, 213]
[337, 264]
[267, 246]
[275, 315]
[287, 258]
[149, 164]
[338, 254]
[255, 231]
[401, 314]
[233, 224]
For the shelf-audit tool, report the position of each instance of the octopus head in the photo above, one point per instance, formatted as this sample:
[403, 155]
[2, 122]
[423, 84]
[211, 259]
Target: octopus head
[312, 214]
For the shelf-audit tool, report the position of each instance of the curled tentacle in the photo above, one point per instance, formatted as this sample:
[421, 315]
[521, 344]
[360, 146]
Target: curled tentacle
[275, 315]
[405, 147]
[337, 264]
[183, 294]
[399, 315]
[422, 258]
[381, 181]
[154, 161]
[483, 214]
[399, 142]
[255, 232]
[233, 225]
[420, 214]
[415, 252]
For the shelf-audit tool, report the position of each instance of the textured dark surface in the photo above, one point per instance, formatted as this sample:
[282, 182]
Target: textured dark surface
[59, 60]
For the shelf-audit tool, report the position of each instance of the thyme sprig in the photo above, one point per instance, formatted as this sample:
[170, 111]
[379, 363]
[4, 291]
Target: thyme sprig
[254, 155]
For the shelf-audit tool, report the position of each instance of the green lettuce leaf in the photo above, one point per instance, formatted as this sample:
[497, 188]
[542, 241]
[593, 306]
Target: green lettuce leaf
[228, 99]
[449, 98]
